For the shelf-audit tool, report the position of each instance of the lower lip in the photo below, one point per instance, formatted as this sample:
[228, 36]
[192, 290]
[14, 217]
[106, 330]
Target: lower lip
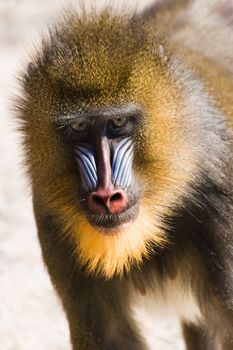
[116, 229]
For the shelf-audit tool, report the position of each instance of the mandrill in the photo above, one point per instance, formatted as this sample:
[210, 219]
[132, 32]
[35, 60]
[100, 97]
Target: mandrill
[127, 126]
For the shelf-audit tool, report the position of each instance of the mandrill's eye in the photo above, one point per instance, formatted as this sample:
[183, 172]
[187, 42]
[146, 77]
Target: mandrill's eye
[122, 125]
[119, 121]
[81, 125]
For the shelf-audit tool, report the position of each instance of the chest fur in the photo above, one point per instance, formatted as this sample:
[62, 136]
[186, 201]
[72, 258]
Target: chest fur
[158, 311]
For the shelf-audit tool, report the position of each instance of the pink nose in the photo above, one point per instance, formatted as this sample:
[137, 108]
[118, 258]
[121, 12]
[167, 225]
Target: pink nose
[107, 201]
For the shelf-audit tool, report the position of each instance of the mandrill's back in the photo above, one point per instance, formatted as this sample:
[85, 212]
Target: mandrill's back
[201, 33]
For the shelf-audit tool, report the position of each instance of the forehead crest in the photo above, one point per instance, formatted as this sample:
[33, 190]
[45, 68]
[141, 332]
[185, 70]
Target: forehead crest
[96, 52]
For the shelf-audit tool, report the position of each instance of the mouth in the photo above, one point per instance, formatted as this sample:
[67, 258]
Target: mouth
[113, 223]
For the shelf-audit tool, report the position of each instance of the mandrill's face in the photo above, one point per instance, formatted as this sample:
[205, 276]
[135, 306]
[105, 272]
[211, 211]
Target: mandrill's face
[103, 144]
[107, 152]
[114, 222]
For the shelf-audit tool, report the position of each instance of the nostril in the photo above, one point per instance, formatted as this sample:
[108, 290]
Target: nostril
[97, 203]
[116, 197]
[98, 200]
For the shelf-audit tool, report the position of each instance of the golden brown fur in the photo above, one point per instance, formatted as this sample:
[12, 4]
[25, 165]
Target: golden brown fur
[202, 37]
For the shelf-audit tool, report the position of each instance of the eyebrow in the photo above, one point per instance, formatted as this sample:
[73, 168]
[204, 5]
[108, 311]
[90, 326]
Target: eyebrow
[129, 109]
[126, 109]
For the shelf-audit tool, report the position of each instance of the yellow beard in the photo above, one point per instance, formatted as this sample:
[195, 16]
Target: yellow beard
[110, 255]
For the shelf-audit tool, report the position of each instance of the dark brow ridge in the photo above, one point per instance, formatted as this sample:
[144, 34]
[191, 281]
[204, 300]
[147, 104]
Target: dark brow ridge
[106, 112]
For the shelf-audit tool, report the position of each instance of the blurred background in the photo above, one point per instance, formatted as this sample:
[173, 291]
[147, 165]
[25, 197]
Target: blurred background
[31, 316]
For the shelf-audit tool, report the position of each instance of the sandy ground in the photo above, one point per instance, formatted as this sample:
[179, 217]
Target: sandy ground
[30, 313]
